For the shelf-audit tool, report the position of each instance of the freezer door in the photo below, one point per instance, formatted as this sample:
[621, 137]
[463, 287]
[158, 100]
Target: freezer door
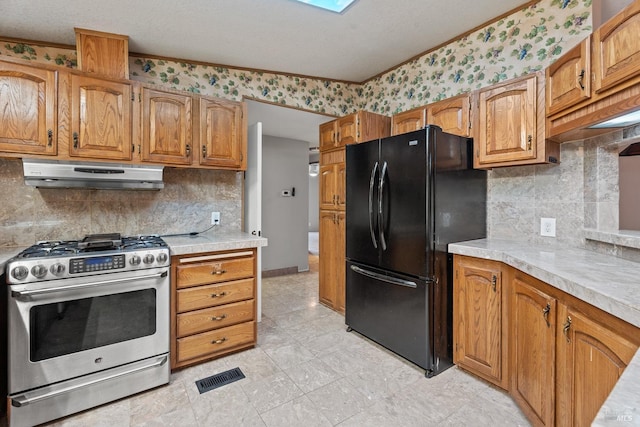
[403, 204]
[391, 310]
[363, 170]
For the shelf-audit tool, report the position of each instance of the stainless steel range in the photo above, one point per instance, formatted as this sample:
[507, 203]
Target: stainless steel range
[88, 324]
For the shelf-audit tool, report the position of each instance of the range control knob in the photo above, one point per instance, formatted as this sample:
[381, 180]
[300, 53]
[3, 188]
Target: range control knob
[20, 272]
[148, 259]
[57, 269]
[39, 271]
[135, 260]
[162, 258]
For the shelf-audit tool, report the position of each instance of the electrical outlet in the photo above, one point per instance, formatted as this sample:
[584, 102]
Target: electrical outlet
[215, 218]
[548, 227]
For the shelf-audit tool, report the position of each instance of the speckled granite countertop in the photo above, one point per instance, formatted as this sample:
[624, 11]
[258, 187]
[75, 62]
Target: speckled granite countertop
[213, 241]
[609, 283]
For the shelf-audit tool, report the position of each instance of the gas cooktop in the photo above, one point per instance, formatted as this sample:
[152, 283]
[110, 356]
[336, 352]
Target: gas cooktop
[91, 244]
[94, 254]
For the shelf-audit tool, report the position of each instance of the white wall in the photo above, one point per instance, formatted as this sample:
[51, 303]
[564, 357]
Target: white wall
[285, 165]
[314, 203]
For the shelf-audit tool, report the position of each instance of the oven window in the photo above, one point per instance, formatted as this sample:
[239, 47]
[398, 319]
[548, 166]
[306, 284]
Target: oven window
[71, 326]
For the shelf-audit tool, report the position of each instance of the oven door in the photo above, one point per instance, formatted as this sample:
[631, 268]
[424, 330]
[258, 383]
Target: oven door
[63, 329]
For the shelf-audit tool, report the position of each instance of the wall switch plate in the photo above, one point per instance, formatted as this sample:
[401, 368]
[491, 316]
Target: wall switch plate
[548, 227]
[215, 218]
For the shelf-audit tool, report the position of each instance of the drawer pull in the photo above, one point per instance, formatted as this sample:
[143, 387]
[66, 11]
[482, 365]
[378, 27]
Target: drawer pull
[221, 294]
[220, 341]
[218, 272]
[218, 318]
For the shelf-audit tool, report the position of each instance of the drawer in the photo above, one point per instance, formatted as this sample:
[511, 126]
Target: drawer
[211, 295]
[197, 321]
[213, 269]
[219, 340]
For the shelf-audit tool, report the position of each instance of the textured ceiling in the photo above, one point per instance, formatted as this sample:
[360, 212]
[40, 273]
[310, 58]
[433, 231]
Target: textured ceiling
[372, 36]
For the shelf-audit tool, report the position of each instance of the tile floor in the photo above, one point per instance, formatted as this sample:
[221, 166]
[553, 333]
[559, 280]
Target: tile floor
[307, 370]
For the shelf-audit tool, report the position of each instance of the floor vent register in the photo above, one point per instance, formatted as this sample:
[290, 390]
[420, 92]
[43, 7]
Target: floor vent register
[218, 380]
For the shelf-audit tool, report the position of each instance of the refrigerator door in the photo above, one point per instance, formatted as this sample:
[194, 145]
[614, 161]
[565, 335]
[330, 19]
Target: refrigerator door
[390, 309]
[363, 170]
[404, 204]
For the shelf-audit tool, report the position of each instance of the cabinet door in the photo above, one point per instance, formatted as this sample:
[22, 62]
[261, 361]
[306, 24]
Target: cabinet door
[101, 119]
[167, 127]
[452, 115]
[222, 136]
[328, 135]
[478, 323]
[347, 128]
[327, 246]
[327, 187]
[408, 121]
[339, 262]
[533, 350]
[507, 116]
[568, 79]
[28, 109]
[591, 358]
[616, 48]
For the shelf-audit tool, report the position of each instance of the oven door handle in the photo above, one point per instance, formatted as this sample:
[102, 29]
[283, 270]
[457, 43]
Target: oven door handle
[23, 400]
[36, 292]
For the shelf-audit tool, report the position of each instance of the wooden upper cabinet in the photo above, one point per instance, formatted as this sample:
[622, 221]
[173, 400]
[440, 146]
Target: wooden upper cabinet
[328, 135]
[510, 125]
[507, 114]
[353, 128]
[591, 358]
[101, 53]
[452, 115]
[533, 339]
[479, 325]
[347, 130]
[332, 180]
[28, 109]
[569, 78]
[616, 49]
[167, 127]
[222, 134]
[101, 118]
[408, 121]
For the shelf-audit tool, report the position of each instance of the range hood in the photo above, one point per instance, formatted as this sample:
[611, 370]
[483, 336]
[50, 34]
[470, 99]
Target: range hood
[107, 176]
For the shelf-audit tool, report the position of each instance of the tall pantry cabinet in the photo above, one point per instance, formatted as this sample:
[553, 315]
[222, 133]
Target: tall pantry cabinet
[334, 136]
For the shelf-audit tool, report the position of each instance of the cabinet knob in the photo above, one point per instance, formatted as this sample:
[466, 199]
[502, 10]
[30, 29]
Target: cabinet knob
[218, 318]
[529, 141]
[221, 294]
[218, 272]
[75, 140]
[188, 150]
[545, 314]
[581, 79]
[49, 137]
[566, 328]
[220, 341]
[494, 282]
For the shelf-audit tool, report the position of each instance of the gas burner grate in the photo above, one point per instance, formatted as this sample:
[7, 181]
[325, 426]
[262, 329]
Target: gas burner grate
[218, 380]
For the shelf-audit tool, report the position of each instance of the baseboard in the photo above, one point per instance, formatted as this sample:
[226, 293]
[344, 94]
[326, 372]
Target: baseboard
[279, 272]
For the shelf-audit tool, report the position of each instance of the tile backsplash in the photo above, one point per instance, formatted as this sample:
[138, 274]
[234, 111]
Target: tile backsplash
[185, 204]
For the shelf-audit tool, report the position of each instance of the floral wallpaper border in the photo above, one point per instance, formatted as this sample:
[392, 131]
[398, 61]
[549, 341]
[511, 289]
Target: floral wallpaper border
[526, 41]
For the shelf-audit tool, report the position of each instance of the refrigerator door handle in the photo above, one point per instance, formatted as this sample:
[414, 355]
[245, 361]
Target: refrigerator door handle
[384, 278]
[383, 242]
[371, 183]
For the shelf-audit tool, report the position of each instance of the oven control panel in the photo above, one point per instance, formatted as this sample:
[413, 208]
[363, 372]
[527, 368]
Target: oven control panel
[98, 263]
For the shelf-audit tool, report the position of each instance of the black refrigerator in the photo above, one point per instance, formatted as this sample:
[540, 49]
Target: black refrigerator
[408, 197]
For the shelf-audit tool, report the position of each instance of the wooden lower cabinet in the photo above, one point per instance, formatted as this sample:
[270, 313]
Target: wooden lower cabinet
[533, 350]
[591, 357]
[332, 263]
[479, 309]
[563, 356]
[213, 305]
